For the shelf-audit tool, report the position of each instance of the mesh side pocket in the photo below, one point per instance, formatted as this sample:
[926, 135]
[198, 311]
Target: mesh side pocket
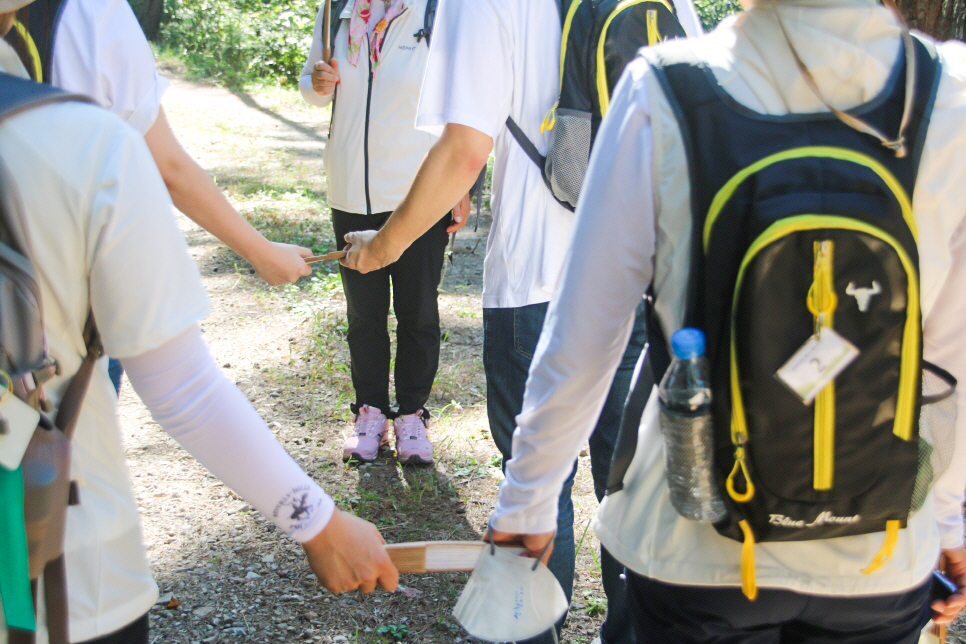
[937, 430]
[689, 448]
[569, 154]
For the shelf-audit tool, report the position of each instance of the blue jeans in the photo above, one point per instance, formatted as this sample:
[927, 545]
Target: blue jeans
[510, 338]
[115, 371]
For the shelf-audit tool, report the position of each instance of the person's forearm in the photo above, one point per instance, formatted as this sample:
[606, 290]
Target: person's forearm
[195, 194]
[189, 396]
[449, 170]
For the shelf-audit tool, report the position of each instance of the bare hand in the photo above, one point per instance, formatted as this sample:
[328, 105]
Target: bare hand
[461, 214]
[325, 77]
[539, 546]
[349, 554]
[945, 612]
[362, 255]
[281, 263]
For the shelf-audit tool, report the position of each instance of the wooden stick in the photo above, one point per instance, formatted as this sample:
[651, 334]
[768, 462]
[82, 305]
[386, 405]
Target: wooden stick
[327, 32]
[440, 556]
[336, 254]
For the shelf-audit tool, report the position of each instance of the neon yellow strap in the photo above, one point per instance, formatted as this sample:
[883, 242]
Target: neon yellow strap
[32, 50]
[888, 546]
[551, 117]
[749, 586]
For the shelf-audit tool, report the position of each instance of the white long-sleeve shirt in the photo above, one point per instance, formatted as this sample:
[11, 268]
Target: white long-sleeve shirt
[95, 208]
[629, 232]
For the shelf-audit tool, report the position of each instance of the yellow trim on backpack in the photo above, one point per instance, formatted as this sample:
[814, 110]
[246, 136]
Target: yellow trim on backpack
[31, 50]
[822, 151]
[909, 364]
[551, 117]
[603, 92]
[653, 33]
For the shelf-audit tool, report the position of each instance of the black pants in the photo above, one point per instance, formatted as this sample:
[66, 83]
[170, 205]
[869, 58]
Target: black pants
[134, 633]
[414, 278]
[665, 613]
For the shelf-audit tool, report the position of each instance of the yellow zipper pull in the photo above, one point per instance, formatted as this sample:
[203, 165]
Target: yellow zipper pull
[822, 300]
[888, 546]
[749, 585]
[550, 119]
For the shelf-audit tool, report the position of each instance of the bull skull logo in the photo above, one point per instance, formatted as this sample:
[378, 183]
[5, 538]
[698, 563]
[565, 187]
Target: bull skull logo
[863, 295]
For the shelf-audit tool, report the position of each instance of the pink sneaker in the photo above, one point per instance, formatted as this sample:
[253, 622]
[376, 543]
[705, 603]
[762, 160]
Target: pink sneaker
[412, 443]
[370, 432]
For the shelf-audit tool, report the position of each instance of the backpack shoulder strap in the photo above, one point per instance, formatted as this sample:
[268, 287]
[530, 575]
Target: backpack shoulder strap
[19, 94]
[428, 19]
[43, 18]
[338, 6]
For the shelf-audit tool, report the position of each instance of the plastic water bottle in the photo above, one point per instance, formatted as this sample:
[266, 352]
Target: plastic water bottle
[685, 393]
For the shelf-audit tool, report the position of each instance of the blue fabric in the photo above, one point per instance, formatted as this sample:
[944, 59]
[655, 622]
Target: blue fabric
[115, 371]
[510, 338]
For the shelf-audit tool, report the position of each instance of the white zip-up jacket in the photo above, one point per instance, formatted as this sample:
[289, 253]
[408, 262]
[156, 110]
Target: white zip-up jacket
[374, 148]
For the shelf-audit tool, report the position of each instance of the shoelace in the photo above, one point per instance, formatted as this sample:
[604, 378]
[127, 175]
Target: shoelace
[416, 426]
[367, 424]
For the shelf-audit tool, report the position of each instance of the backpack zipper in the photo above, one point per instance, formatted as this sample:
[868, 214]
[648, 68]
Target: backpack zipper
[822, 303]
[603, 91]
[911, 347]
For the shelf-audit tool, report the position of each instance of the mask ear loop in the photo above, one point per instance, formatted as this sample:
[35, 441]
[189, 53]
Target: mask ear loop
[536, 561]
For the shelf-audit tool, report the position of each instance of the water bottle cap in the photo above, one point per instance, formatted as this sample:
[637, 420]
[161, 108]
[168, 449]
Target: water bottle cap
[687, 343]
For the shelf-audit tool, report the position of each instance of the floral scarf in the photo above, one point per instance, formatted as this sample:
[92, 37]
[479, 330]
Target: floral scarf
[359, 28]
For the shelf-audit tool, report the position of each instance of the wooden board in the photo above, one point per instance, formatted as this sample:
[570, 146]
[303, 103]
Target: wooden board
[439, 556]
[336, 254]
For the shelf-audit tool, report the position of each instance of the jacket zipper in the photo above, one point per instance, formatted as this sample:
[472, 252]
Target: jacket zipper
[365, 150]
[822, 303]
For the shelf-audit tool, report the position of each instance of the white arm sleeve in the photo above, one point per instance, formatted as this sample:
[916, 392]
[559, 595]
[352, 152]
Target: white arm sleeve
[189, 396]
[315, 55]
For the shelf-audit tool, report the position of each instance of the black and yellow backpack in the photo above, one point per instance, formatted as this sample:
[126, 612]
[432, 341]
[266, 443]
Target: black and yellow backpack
[803, 229]
[599, 38]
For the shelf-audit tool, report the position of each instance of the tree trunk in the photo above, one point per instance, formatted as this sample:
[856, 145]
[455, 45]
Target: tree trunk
[149, 13]
[941, 19]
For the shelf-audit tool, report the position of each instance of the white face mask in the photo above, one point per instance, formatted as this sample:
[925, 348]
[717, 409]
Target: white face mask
[509, 598]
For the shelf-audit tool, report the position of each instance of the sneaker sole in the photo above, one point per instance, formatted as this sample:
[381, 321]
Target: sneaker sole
[358, 457]
[415, 459]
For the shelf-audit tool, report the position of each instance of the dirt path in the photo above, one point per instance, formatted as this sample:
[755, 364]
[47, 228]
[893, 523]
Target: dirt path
[227, 575]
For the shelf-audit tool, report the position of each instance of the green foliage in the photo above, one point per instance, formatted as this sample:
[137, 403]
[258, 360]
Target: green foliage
[712, 12]
[235, 42]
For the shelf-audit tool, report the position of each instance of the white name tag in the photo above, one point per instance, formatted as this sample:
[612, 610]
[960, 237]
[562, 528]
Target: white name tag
[820, 360]
[21, 422]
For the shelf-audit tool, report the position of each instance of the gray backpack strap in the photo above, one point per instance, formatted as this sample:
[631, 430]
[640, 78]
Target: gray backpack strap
[538, 159]
[19, 94]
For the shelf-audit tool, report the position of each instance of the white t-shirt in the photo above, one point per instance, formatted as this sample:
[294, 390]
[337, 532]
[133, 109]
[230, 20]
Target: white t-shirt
[491, 59]
[101, 52]
[86, 248]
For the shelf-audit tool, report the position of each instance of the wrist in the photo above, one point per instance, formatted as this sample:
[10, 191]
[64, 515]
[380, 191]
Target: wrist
[384, 249]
